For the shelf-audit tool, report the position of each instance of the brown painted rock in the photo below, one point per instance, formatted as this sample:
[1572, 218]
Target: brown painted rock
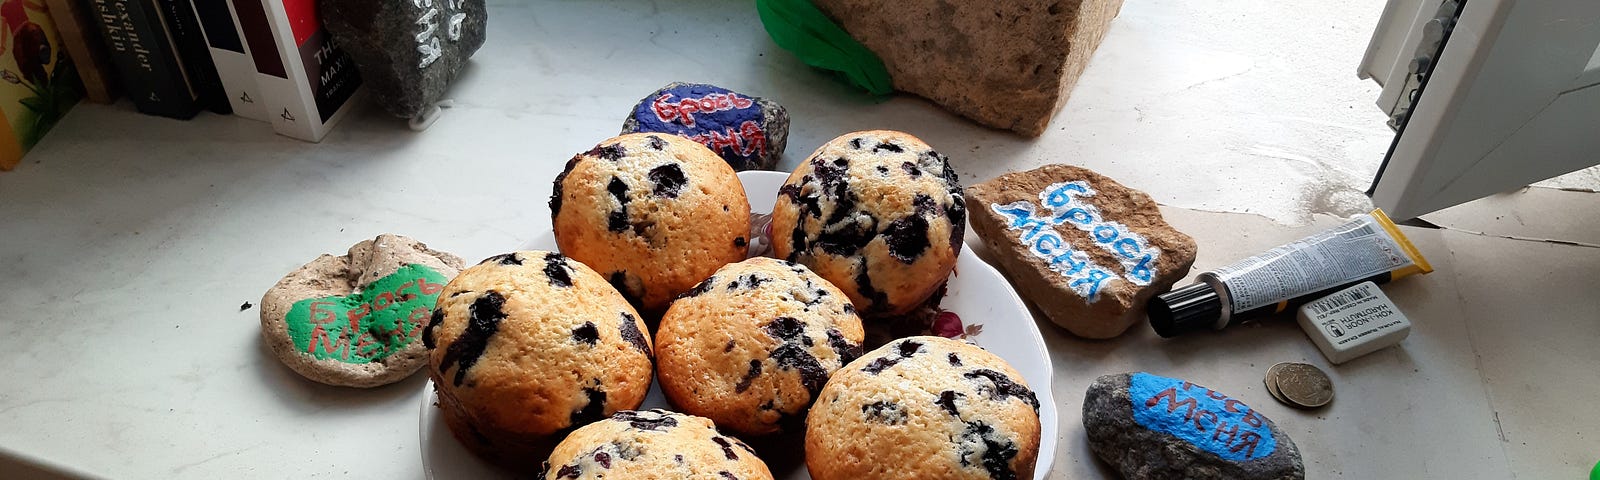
[1007, 64]
[354, 320]
[1085, 249]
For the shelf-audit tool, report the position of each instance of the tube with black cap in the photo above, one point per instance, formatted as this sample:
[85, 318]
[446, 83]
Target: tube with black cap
[1367, 248]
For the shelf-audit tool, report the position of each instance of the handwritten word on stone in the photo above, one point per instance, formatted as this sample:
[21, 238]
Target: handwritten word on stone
[428, 27]
[1208, 419]
[748, 131]
[1066, 207]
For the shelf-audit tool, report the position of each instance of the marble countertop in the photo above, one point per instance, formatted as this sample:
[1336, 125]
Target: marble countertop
[129, 243]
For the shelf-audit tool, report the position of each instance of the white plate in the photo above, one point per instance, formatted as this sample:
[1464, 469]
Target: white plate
[976, 292]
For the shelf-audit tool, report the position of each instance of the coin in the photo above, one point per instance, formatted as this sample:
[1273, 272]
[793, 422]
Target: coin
[1271, 381]
[1304, 385]
[1272, 388]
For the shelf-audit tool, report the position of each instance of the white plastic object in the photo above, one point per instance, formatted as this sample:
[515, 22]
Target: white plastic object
[1511, 97]
[430, 114]
[1353, 322]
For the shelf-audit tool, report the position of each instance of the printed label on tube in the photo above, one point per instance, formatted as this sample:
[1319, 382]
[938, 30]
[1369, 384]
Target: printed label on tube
[1355, 250]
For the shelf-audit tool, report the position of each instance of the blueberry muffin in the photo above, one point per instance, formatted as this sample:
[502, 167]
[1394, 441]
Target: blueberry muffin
[653, 444]
[924, 407]
[879, 214]
[752, 345]
[528, 344]
[654, 213]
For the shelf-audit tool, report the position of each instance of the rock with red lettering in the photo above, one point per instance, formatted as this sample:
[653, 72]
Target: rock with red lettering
[1085, 249]
[408, 52]
[1154, 427]
[354, 320]
[749, 132]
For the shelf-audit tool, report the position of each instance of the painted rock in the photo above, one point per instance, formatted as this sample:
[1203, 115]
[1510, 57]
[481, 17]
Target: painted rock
[408, 51]
[354, 320]
[1085, 249]
[749, 132]
[1153, 427]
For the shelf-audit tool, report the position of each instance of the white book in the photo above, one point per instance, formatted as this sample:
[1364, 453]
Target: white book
[307, 84]
[231, 56]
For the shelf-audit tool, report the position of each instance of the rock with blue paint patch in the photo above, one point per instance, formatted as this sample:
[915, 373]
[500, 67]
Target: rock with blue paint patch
[1153, 427]
[749, 132]
[1085, 249]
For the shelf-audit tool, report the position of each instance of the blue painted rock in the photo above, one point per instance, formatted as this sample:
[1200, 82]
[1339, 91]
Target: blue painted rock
[1153, 427]
[749, 132]
[408, 51]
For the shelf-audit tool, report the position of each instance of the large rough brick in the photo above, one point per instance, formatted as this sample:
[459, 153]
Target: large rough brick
[1005, 63]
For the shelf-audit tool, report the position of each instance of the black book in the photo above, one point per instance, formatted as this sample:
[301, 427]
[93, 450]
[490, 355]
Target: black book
[145, 58]
[194, 55]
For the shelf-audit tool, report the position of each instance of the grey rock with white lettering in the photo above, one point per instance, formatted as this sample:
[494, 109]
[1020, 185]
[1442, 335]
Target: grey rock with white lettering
[1140, 453]
[1107, 236]
[408, 51]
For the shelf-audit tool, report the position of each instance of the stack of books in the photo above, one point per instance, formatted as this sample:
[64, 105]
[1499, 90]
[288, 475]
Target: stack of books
[266, 60]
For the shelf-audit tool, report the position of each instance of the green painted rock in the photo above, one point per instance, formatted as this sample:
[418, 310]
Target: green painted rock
[354, 320]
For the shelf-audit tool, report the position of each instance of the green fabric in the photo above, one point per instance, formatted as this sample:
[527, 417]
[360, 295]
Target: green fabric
[797, 26]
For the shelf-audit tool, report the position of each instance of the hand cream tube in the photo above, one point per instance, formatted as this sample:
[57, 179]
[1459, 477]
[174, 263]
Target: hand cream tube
[1368, 247]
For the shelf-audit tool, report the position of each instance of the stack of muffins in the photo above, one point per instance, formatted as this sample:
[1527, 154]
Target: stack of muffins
[541, 360]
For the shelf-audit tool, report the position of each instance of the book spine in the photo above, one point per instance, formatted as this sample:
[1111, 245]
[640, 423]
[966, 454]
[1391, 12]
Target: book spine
[231, 57]
[278, 96]
[314, 81]
[81, 36]
[145, 58]
[183, 26]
